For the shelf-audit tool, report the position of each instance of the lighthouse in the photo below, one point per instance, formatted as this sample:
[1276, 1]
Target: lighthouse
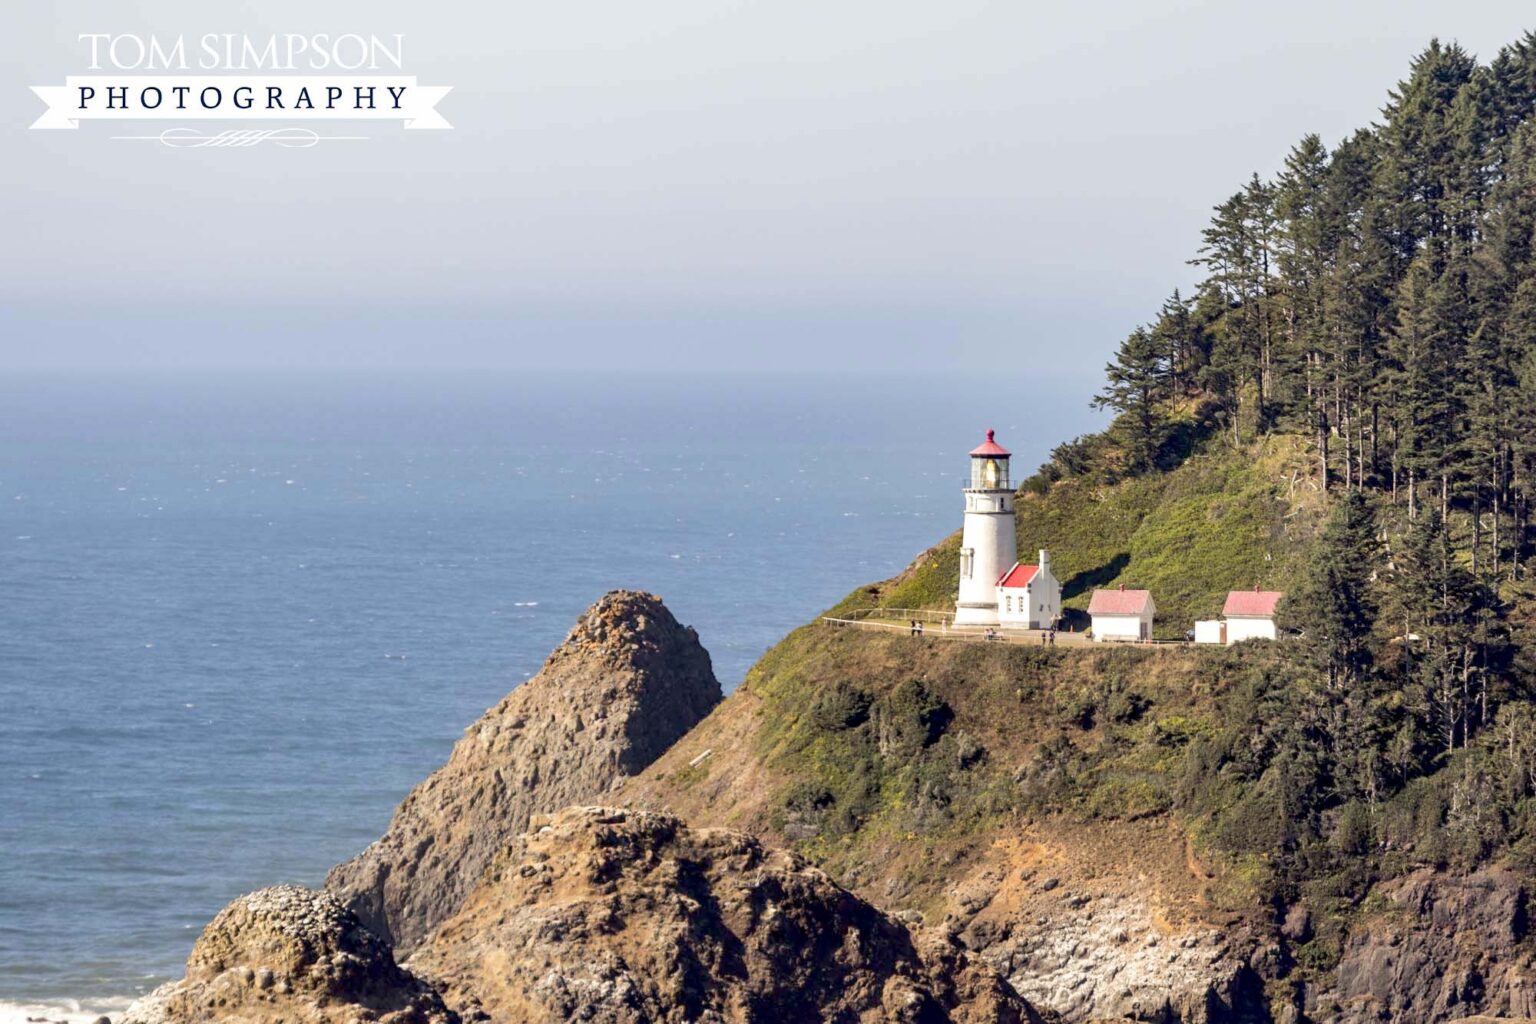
[987, 546]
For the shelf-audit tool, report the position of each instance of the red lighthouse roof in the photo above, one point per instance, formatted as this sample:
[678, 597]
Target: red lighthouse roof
[1253, 603]
[989, 447]
[1019, 576]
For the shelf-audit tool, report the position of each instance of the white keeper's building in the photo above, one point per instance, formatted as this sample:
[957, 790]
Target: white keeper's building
[1250, 614]
[1247, 615]
[1122, 614]
[1029, 596]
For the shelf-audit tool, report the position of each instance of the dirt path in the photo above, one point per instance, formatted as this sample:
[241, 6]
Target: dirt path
[977, 634]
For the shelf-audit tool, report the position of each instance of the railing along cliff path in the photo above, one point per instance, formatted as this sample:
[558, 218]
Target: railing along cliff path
[941, 625]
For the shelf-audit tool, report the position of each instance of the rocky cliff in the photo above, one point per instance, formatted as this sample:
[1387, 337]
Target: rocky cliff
[623, 686]
[601, 915]
[625, 917]
[974, 828]
[289, 955]
[1012, 800]
[899, 764]
[1439, 946]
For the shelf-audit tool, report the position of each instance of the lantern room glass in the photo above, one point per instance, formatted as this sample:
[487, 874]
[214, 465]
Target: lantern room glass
[989, 472]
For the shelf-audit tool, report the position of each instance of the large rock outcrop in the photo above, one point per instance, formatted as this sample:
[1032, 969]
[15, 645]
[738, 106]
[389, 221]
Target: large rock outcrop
[623, 917]
[623, 686]
[1451, 946]
[295, 956]
[1090, 948]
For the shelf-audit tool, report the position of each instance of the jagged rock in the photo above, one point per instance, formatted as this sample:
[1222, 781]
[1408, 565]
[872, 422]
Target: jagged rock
[623, 916]
[1111, 962]
[622, 687]
[292, 955]
[1297, 926]
[1452, 948]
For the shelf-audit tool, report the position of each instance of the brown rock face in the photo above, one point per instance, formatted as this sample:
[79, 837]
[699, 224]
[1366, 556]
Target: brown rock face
[293, 955]
[623, 686]
[1455, 946]
[623, 917]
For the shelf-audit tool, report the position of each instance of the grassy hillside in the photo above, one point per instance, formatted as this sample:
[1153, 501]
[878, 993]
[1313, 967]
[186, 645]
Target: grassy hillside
[890, 759]
[1222, 520]
[1188, 791]
[910, 767]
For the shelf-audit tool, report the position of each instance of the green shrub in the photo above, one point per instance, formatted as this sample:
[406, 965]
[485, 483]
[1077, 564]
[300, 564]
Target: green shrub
[1352, 832]
[1125, 706]
[1128, 799]
[1318, 956]
[911, 719]
[841, 706]
[1076, 707]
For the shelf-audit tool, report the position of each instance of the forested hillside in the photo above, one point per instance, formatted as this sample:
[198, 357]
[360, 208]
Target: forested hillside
[1344, 408]
[1375, 302]
[1378, 298]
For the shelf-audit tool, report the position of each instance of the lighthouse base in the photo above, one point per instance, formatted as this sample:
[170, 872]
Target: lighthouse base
[976, 613]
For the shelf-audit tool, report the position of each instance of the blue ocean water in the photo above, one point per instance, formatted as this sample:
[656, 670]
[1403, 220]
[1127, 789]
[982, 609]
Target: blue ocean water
[241, 616]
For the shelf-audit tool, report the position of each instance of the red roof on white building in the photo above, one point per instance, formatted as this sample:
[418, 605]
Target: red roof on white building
[989, 447]
[1120, 602]
[1255, 603]
[1019, 575]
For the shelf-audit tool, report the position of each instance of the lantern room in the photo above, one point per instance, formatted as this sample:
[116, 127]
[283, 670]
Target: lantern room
[989, 466]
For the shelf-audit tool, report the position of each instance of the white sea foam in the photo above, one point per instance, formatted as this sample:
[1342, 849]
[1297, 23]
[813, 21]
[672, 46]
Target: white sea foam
[64, 1011]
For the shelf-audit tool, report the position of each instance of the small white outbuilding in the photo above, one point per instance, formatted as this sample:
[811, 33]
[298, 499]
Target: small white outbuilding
[1250, 615]
[1210, 631]
[1029, 596]
[1122, 614]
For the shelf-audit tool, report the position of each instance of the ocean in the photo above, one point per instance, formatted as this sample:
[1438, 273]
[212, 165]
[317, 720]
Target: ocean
[241, 615]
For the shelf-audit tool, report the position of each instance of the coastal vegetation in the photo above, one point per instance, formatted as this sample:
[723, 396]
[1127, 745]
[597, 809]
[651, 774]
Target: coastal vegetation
[1342, 410]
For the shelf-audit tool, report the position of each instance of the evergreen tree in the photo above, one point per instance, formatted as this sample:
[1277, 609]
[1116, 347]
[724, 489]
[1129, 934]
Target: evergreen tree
[1184, 342]
[1452, 637]
[1137, 384]
[1336, 608]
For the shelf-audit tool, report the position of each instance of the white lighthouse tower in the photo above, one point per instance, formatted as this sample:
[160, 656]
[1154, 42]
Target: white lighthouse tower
[987, 546]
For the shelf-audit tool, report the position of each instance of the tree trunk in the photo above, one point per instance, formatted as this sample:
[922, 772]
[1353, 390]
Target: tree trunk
[1375, 431]
[1477, 528]
[1322, 447]
[1497, 510]
[1360, 451]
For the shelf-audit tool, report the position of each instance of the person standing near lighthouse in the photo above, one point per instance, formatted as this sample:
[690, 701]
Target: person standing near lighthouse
[987, 545]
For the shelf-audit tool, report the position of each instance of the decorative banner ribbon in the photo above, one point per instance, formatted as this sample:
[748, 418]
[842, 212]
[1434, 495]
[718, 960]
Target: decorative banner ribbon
[242, 98]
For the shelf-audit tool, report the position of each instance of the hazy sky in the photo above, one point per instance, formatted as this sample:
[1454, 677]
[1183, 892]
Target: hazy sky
[685, 183]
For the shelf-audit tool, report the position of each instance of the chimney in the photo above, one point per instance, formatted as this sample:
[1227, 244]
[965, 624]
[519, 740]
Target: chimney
[1045, 562]
[1122, 586]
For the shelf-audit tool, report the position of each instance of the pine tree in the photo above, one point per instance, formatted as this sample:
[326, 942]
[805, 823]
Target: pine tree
[1303, 258]
[1185, 344]
[1137, 384]
[1336, 608]
[1453, 638]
